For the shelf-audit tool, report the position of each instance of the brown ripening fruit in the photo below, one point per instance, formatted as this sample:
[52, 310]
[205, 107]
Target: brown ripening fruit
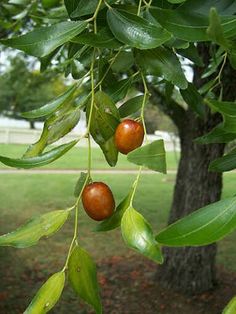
[98, 201]
[128, 136]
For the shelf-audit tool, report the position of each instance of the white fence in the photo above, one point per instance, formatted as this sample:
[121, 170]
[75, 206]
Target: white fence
[27, 136]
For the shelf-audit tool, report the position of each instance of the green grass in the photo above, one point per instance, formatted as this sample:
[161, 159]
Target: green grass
[22, 196]
[77, 158]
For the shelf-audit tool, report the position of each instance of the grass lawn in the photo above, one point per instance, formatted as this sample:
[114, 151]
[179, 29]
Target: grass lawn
[77, 158]
[22, 196]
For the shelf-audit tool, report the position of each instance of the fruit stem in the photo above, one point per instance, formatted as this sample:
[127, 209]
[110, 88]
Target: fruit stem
[146, 93]
[74, 239]
[135, 184]
[87, 134]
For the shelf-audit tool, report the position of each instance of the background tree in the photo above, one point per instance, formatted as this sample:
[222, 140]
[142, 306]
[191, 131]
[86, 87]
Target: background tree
[22, 88]
[192, 270]
[157, 120]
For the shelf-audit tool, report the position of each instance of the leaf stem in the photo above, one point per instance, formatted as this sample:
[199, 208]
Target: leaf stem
[92, 93]
[146, 93]
[95, 13]
[139, 7]
[109, 67]
[147, 4]
[218, 77]
[109, 7]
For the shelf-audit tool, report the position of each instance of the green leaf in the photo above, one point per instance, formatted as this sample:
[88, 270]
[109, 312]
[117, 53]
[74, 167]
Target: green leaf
[216, 135]
[185, 25]
[215, 31]
[175, 43]
[224, 107]
[228, 110]
[214, 64]
[225, 163]
[176, 1]
[104, 121]
[42, 41]
[131, 106]
[190, 21]
[151, 155]
[110, 121]
[230, 123]
[206, 87]
[138, 235]
[232, 59]
[48, 295]
[79, 8]
[83, 278]
[110, 151]
[123, 62]
[103, 39]
[162, 62]
[227, 7]
[105, 74]
[80, 183]
[52, 106]
[118, 90]
[114, 221]
[84, 7]
[36, 228]
[216, 34]
[62, 125]
[45, 61]
[70, 5]
[104, 107]
[38, 147]
[48, 4]
[39, 160]
[204, 226]
[195, 101]
[55, 127]
[231, 307]
[136, 31]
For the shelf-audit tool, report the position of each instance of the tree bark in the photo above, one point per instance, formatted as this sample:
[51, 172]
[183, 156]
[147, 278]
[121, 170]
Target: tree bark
[191, 270]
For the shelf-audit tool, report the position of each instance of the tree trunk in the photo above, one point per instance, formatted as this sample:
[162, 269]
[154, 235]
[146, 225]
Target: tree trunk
[32, 125]
[191, 270]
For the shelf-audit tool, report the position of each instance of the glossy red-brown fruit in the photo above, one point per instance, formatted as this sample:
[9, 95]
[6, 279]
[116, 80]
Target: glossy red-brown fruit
[128, 136]
[98, 201]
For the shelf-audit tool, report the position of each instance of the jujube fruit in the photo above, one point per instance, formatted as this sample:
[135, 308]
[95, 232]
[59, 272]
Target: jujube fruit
[98, 201]
[129, 135]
